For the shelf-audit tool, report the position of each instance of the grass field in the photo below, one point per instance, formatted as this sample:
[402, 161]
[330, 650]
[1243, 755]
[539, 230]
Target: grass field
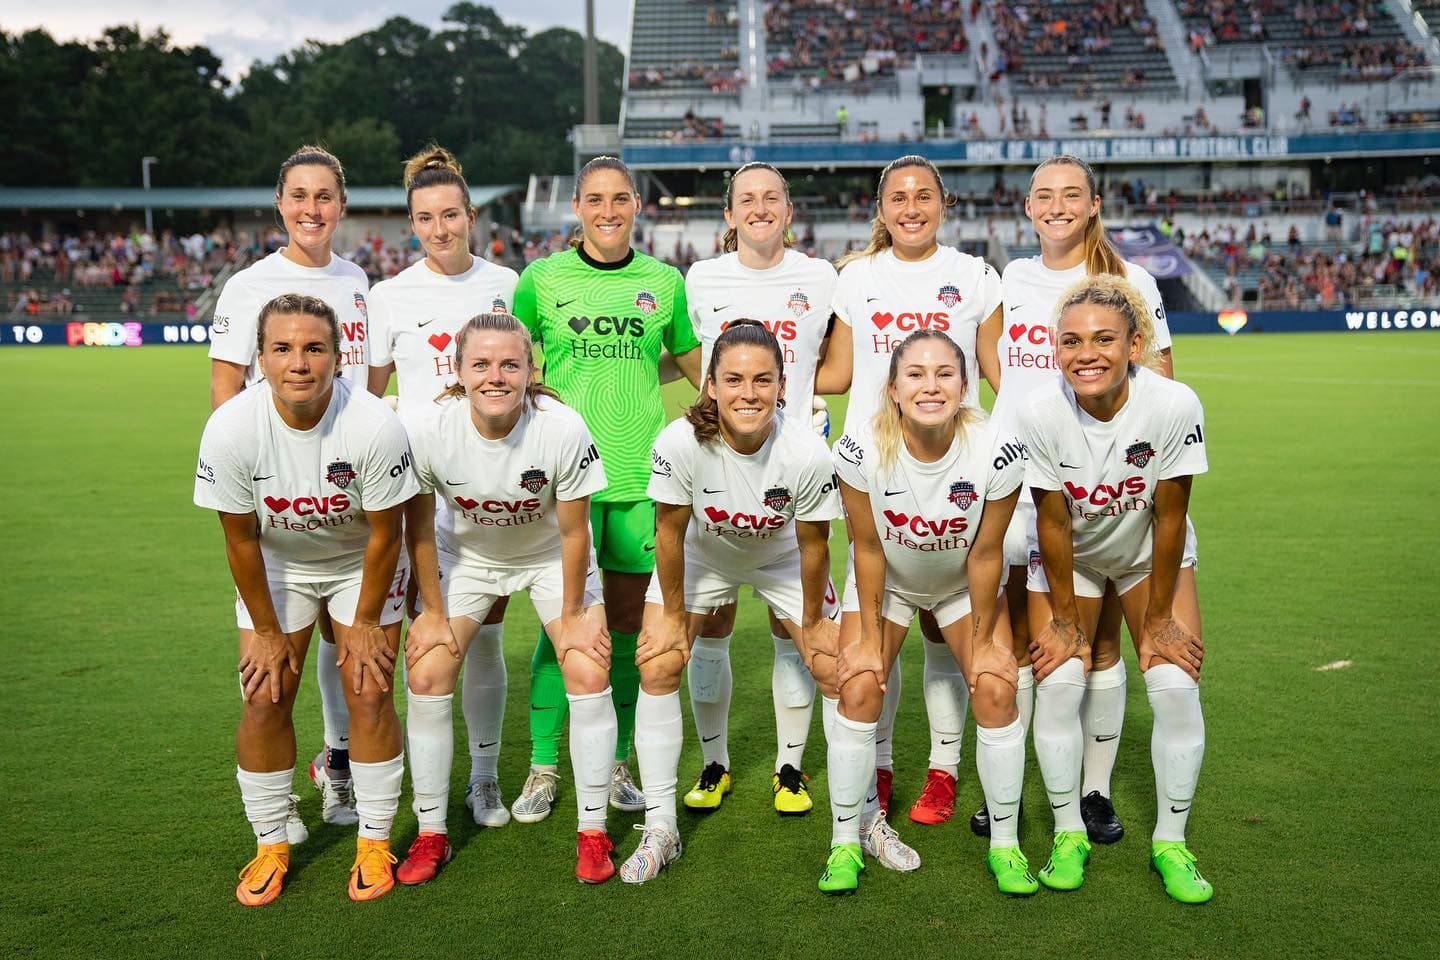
[1315, 820]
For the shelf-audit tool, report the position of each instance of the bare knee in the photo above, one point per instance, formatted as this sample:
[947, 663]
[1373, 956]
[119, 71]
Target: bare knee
[435, 673]
[993, 701]
[661, 675]
[861, 698]
[583, 676]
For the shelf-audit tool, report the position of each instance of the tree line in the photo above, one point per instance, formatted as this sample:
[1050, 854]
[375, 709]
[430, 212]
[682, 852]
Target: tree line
[83, 113]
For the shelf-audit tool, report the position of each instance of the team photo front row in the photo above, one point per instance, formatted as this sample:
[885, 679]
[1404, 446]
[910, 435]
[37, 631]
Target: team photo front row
[1021, 539]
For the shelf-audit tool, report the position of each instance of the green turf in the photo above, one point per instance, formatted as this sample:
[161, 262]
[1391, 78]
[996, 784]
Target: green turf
[123, 829]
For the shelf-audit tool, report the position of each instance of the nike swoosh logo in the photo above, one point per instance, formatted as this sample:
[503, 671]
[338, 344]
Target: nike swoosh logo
[562, 306]
[261, 889]
[426, 323]
[270, 831]
[871, 799]
[428, 809]
[369, 827]
[1068, 466]
[893, 493]
[708, 739]
[649, 548]
[1014, 306]
[648, 809]
[1113, 736]
[855, 463]
[593, 809]
[397, 606]
[1178, 809]
[360, 883]
[794, 746]
[454, 483]
[718, 309]
[871, 299]
[482, 745]
[534, 707]
[946, 743]
[708, 490]
[1002, 819]
[845, 819]
[1057, 806]
[256, 479]
[885, 740]
[625, 706]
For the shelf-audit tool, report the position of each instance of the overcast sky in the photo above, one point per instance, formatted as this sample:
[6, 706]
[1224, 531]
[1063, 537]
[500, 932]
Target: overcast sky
[240, 32]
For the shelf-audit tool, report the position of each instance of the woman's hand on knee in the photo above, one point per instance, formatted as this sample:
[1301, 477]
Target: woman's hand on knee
[1057, 642]
[428, 631]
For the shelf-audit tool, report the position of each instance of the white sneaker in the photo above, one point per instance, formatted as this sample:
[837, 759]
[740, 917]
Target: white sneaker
[879, 840]
[337, 797]
[538, 798]
[295, 831]
[483, 799]
[659, 847]
[624, 794]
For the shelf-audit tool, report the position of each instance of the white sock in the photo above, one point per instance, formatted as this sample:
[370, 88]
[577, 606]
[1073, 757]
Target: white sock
[267, 802]
[658, 736]
[884, 733]
[829, 709]
[1025, 695]
[792, 690]
[710, 682]
[1000, 760]
[377, 795]
[430, 734]
[947, 698]
[1058, 741]
[1177, 745]
[1101, 717]
[592, 755]
[850, 768]
[482, 698]
[332, 697]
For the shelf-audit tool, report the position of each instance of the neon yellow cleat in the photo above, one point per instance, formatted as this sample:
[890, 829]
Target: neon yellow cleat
[710, 789]
[792, 797]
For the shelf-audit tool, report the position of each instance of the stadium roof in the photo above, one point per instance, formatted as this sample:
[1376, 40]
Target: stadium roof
[204, 198]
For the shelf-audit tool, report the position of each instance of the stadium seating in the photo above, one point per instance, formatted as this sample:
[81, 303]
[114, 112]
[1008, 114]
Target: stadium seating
[683, 45]
[1111, 45]
[820, 43]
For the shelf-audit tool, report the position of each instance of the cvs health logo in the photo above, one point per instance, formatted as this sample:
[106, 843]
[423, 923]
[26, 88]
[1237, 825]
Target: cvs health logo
[908, 321]
[1103, 493]
[923, 527]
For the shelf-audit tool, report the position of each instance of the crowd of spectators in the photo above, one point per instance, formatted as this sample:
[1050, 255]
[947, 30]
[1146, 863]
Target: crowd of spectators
[847, 41]
[1084, 39]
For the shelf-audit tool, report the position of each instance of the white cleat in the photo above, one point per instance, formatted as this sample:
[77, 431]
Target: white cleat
[879, 840]
[538, 798]
[659, 847]
[295, 830]
[337, 797]
[483, 799]
[624, 794]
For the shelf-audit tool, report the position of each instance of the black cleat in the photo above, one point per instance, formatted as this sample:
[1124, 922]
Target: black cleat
[980, 821]
[1101, 824]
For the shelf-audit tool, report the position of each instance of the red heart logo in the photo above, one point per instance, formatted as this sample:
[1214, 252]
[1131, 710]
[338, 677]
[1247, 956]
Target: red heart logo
[897, 519]
[440, 341]
[467, 503]
[1017, 330]
[882, 320]
[716, 515]
[277, 504]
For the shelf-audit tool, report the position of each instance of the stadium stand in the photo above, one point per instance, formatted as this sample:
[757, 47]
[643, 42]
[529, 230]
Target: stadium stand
[1081, 47]
[824, 42]
[683, 45]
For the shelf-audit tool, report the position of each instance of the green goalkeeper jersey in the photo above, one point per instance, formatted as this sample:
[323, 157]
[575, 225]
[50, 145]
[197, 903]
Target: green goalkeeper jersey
[601, 327]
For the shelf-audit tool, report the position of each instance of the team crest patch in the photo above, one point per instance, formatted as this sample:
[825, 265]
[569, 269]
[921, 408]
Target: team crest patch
[962, 494]
[1035, 560]
[645, 300]
[360, 305]
[949, 295]
[777, 498]
[340, 473]
[498, 306]
[799, 304]
[533, 480]
[1139, 453]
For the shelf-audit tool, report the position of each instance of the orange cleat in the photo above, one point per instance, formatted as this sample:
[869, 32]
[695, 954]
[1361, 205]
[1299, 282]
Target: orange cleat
[372, 875]
[263, 877]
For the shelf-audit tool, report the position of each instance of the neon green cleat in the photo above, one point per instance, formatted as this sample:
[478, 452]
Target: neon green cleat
[843, 869]
[1066, 867]
[710, 788]
[792, 797]
[1012, 871]
[1176, 866]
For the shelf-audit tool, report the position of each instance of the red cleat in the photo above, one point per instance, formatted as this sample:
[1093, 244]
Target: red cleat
[427, 855]
[884, 787]
[592, 857]
[936, 802]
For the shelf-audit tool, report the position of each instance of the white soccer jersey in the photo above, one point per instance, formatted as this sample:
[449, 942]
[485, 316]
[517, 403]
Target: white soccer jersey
[742, 506]
[495, 499]
[415, 315]
[927, 514]
[792, 299]
[885, 299]
[1108, 470]
[1027, 352]
[309, 489]
[340, 283]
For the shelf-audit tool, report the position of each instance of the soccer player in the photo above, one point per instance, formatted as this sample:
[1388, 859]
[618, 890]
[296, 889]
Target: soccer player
[513, 470]
[744, 496]
[1064, 209]
[602, 312]
[415, 318]
[759, 277]
[310, 200]
[903, 281]
[929, 487]
[310, 476]
[1112, 453]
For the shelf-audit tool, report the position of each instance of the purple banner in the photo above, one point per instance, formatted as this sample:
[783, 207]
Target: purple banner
[1151, 249]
